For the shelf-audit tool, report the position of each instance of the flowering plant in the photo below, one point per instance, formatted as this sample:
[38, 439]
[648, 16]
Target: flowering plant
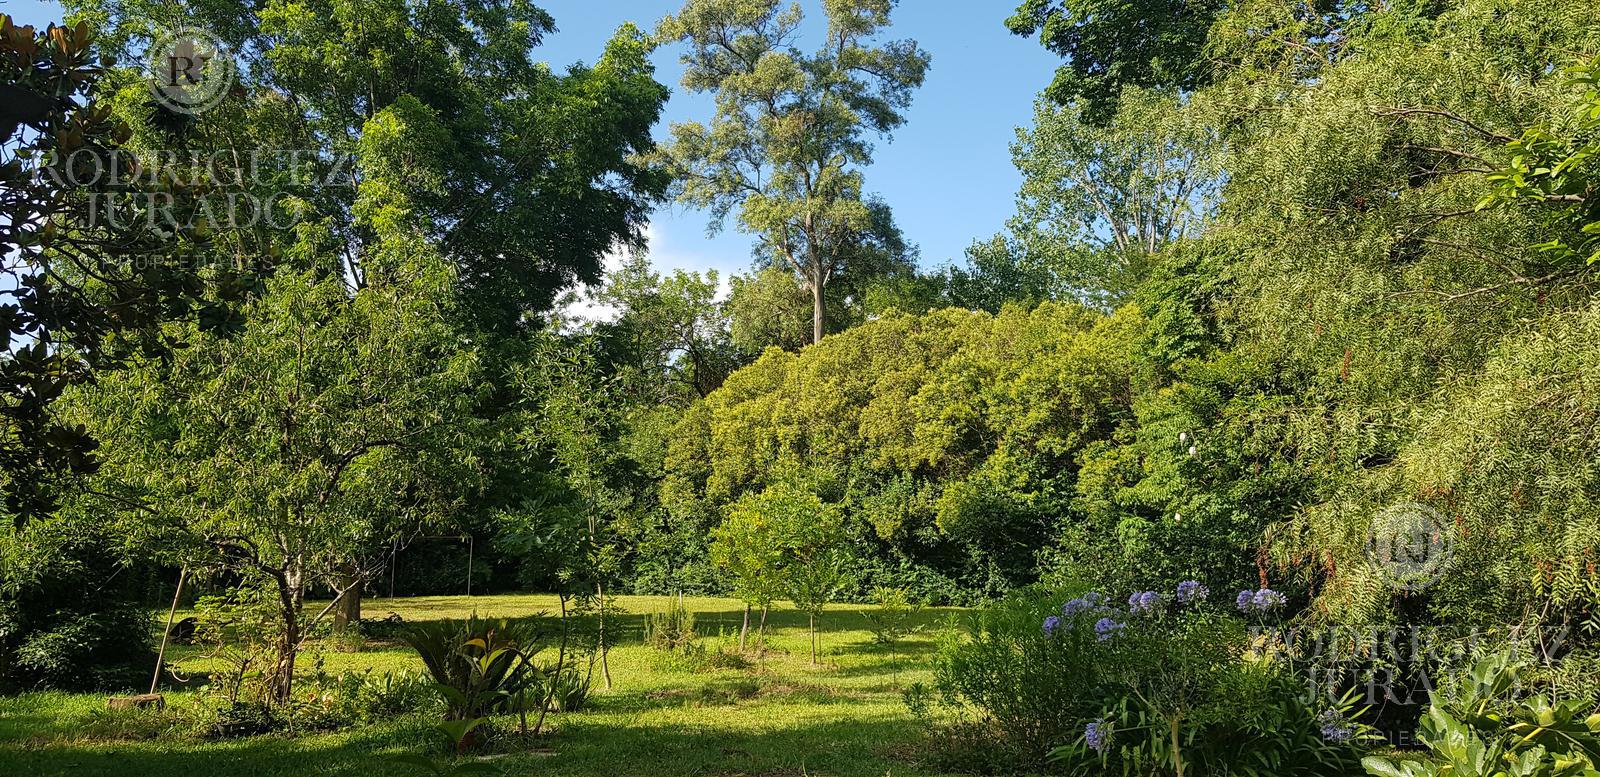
[1185, 696]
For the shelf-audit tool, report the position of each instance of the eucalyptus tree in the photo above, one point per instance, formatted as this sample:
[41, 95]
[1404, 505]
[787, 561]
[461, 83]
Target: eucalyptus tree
[791, 132]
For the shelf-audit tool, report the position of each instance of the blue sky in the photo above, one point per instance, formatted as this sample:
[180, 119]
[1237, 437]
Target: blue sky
[947, 173]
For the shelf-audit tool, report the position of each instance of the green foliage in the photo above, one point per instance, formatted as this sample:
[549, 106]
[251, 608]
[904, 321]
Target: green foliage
[1484, 727]
[1112, 45]
[671, 629]
[78, 285]
[478, 666]
[1557, 166]
[892, 619]
[1037, 688]
[568, 689]
[949, 441]
[1098, 203]
[791, 131]
[72, 613]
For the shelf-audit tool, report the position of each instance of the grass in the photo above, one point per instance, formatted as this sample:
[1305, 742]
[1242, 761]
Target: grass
[779, 716]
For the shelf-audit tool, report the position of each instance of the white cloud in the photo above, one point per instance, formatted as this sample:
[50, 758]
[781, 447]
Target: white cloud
[664, 257]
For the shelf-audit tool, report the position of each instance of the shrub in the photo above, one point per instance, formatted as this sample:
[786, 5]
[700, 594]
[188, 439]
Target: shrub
[1482, 729]
[242, 719]
[389, 627]
[1017, 675]
[568, 689]
[72, 614]
[1165, 684]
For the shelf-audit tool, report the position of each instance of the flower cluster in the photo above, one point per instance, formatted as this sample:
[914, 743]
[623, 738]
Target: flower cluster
[1263, 600]
[1089, 602]
[1051, 623]
[1144, 602]
[1334, 727]
[1107, 627]
[1190, 591]
[1097, 736]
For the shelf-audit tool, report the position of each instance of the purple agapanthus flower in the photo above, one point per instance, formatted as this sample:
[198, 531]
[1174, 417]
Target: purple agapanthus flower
[1089, 602]
[1097, 736]
[1244, 600]
[1190, 591]
[1259, 601]
[1334, 727]
[1144, 602]
[1268, 599]
[1051, 623]
[1107, 627]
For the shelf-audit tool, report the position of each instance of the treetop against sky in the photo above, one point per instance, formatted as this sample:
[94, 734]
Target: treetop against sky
[948, 171]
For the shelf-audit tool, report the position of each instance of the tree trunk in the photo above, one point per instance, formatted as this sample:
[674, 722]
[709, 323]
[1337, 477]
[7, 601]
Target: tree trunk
[813, 638]
[605, 665]
[348, 610]
[282, 681]
[561, 664]
[744, 630]
[817, 314]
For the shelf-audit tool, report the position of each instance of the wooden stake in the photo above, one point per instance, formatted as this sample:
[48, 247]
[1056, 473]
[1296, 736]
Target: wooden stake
[161, 655]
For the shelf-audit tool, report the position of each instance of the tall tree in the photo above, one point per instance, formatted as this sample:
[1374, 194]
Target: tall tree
[1098, 202]
[78, 292]
[1113, 44]
[449, 133]
[791, 129]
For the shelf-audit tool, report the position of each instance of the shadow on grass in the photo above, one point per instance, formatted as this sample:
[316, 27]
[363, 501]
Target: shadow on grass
[581, 747]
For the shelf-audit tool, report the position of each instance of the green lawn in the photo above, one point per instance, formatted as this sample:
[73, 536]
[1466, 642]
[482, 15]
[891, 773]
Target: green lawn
[781, 716]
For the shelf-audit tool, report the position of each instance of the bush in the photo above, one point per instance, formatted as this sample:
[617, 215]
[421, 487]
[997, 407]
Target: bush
[1034, 688]
[242, 719]
[478, 666]
[1167, 684]
[72, 615]
[568, 689]
[387, 628]
[893, 618]
[1483, 729]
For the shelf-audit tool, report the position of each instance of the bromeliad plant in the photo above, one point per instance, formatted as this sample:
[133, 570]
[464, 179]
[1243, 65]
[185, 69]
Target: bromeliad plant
[1482, 730]
[478, 666]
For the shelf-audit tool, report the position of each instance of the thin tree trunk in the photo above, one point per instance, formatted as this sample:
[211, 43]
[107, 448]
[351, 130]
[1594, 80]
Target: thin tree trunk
[1177, 755]
[349, 609]
[744, 630]
[817, 313]
[605, 665]
[561, 661]
[813, 638]
[761, 632]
